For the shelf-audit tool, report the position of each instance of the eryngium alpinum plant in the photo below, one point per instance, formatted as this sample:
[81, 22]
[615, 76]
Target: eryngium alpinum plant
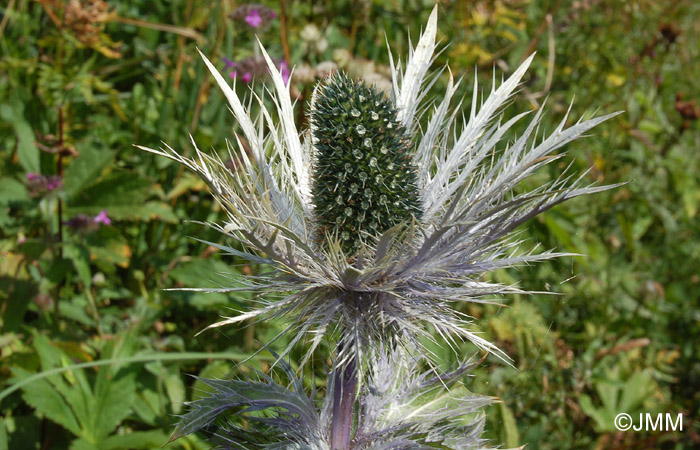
[372, 227]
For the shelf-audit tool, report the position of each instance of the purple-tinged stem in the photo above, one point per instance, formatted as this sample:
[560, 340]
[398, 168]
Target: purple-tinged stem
[345, 386]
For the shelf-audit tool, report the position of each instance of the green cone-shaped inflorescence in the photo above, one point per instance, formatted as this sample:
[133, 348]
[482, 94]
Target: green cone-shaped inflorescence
[364, 180]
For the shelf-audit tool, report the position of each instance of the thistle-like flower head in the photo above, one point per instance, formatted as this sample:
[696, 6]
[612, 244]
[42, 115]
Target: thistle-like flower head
[364, 179]
[373, 227]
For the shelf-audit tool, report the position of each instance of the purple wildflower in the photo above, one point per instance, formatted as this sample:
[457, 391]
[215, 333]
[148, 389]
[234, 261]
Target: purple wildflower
[249, 68]
[102, 218]
[253, 18]
[254, 15]
[80, 222]
[39, 185]
[85, 223]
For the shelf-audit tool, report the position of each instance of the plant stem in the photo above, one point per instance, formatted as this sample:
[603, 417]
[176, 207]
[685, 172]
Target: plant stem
[283, 32]
[59, 172]
[345, 386]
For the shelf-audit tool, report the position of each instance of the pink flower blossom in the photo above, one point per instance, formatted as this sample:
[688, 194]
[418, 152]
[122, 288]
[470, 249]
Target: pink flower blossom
[102, 218]
[254, 15]
[253, 18]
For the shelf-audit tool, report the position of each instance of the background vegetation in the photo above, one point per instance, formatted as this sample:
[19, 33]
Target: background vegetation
[92, 230]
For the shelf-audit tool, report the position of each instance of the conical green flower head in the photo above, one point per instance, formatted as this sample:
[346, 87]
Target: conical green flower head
[364, 180]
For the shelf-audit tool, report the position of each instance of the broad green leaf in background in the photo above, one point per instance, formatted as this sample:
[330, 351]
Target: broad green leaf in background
[16, 293]
[207, 273]
[85, 169]
[109, 245]
[689, 189]
[47, 401]
[171, 378]
[81, 261]
[89, 410]
[511, 436]
[135, 440]
[115, 189]
[148, 404]
[636, 390]
[12, 112]
[175, 388]
[216, 369]
[21, 382]
[114, 394]
[617, 396]
[76, 309]
[12, 190]
[3, 435]
[124, 196]
[83, 444]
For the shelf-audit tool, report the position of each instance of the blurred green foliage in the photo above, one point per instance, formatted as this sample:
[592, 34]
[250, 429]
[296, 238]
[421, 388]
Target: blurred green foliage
[81, 81]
